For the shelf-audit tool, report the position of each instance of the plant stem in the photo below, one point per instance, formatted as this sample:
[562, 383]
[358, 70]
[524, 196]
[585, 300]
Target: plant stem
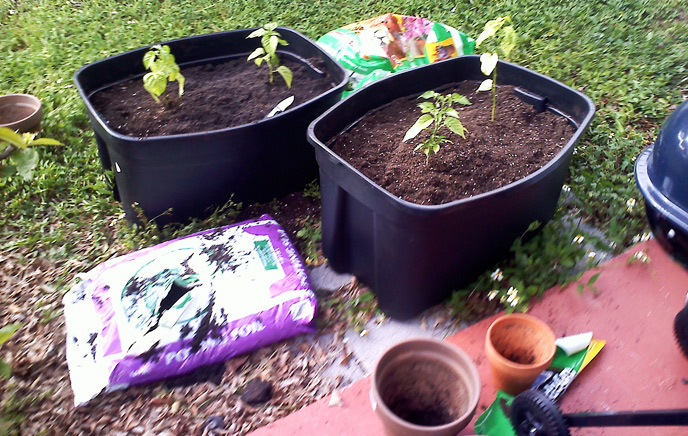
[7, 152]
[494, 93]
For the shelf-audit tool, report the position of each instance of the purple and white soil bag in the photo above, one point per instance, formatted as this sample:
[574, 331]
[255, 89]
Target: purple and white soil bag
[193, 301]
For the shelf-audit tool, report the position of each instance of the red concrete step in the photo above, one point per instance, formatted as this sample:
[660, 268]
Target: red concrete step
[641, 367]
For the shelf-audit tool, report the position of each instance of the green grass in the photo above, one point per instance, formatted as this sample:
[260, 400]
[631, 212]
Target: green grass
[627, 55]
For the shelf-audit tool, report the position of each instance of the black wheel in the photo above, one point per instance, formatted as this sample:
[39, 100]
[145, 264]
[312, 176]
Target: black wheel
[534, 414]
[681, 330]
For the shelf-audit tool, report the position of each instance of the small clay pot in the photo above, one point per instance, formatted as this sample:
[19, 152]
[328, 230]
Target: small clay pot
[519, 347]
[20, 112]
[424, 387]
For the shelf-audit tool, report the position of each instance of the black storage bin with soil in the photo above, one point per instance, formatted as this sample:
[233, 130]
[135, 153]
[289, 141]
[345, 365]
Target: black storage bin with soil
[248, 158]
[413, 255]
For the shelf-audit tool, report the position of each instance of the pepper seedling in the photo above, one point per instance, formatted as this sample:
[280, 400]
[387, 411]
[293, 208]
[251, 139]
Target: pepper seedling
[437, 113]
[488, 60]
[18, 149]
[163, 68]
[270, 40]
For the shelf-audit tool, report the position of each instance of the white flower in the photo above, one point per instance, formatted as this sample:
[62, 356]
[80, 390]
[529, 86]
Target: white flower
[514, 302]
[578, 239]
[636, 239]
[497, 275]
[364, 332]
[641, 256]
[645, 237]
[512, 291]
[630, 204]
[492, 294]
[591, 255]
[566, 188]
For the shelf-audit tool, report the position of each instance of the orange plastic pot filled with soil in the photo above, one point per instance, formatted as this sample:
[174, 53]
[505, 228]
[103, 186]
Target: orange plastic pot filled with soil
[519, 347]
[425, 387]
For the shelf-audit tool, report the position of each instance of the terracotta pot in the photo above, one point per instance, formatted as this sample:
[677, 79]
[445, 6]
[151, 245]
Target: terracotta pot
[20, 112]
[519, 347]
[424, 387]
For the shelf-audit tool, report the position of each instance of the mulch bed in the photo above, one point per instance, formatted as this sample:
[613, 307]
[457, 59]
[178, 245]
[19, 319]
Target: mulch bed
[209, 401]
[519, 142]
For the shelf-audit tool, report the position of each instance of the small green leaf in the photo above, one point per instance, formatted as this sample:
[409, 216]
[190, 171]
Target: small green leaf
[272, 44]
[257, 52]
[420, 124]
[458, 98]
[25, 161]
[533, 226]
[149, 59]
[594, 278]
[509, 41]
[155, 83]
[5, 370]
[426, 106]
[568, 262]
[452, 113]
[259, 61]
[455, 126]
[488, 62]
[256, 33]
[428, 94]
[14, 138]
[286, 74]
[490, 30]
[486, 85]
[7, 331]
[45, 141]
[7, 170]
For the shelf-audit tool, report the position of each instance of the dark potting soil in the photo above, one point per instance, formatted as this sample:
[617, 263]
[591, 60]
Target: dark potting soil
[216, 96]
[523, 356]
[423, 392]
[519, 142]
[11, 113]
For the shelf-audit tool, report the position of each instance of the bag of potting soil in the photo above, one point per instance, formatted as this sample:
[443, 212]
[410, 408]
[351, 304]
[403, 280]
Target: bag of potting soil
[193, 301]
[553, 382]
[378, 46]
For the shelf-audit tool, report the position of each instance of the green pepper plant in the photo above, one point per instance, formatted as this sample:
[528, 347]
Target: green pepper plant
[18, 150]
[163, 69]
[270, 39]
[506, 35]
[437, 113]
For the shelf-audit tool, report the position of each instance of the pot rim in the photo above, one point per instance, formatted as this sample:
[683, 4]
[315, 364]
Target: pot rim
[32, 100]
[529, 319]
[451, 348]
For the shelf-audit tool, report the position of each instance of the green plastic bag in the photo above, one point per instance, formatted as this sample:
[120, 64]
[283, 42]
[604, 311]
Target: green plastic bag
[373, 48]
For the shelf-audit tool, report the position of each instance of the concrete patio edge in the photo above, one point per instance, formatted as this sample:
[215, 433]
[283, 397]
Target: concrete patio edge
[632, 307]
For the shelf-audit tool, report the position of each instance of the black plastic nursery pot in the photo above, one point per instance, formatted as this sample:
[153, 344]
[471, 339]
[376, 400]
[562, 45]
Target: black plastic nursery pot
[412, 256]
[661, 172]
[193, 173]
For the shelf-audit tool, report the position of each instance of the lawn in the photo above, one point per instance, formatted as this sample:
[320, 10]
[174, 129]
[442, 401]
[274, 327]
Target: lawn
[629, 56]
